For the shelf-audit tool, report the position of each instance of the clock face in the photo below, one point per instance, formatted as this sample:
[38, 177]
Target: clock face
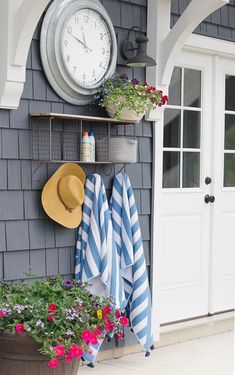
[78, 48]
[86, 47]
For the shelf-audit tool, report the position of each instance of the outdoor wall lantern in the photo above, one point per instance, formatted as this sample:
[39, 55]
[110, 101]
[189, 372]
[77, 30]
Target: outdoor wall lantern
[128, 50]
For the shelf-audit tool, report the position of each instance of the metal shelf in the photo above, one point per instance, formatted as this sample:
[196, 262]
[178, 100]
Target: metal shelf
[56, 137]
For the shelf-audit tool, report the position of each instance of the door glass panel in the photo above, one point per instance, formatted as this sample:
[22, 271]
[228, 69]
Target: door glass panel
[229, 170]
[229, 139]
[171, 169]
[191, 169]
[175, 87]
[172, 121]
[230, 93]
[192, 129]
[192, 88]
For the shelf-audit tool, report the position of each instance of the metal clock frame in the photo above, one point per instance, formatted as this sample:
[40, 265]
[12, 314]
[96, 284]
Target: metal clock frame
[50, 47]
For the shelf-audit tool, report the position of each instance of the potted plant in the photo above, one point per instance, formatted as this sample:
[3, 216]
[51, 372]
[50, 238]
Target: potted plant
[128, 99]
[49, 324]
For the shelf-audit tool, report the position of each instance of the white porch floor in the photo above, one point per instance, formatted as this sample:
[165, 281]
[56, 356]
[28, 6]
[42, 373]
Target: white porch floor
[213, 355]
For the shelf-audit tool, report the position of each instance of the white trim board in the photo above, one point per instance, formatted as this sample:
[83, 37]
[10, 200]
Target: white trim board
[210, 46]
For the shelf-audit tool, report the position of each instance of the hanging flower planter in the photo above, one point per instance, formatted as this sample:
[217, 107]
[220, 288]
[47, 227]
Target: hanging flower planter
[126, 99]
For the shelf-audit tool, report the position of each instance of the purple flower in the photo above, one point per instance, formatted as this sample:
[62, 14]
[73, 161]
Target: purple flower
[135, 81]
[68, 283]
[124, 77]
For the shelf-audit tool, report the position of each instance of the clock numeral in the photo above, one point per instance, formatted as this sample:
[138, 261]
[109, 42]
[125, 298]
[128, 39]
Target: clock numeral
[103, 51]
[76, 20]
[100, 64]
[74, 69]
[101, 36]
[93, 73]
[69, 29]
[84, 76]
[66, 43]
[68, 58]
[86, 19]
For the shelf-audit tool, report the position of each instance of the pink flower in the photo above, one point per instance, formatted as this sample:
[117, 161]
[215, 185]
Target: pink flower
[1, 314]
[117, 314]
[107, 310]
[86, 335]
[19, 327]
[93, 340]
[124, 321]
[120, 336]
[108, 326]
[52, 307]
[68, 358]
[59, 350]
[53, 363]
[75, 351]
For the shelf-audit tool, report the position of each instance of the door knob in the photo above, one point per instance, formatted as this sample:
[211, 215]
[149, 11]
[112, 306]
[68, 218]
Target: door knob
[207, 180]
[209, 198]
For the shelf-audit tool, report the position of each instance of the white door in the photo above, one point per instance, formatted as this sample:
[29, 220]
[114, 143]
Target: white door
[193, 277]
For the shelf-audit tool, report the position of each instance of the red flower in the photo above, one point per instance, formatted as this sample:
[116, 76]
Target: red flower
[124, 321]
[1, 314]
[117, 314]
[52, 307]
[59, 350]
[164, 99]
[51, 318]
[19, 327]
[53, 363]
[107, 310]
[97, 331]
[108, 326]
[68, 358]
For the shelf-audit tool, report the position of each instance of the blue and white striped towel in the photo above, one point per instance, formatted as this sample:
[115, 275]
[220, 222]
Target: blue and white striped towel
[132, 260]
[96, 255]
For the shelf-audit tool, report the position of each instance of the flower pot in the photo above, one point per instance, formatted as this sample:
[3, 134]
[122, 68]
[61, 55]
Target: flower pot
[125, 114]
[19, 355]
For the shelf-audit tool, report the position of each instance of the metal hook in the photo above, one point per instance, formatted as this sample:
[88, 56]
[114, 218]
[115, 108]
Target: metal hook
[121, 169]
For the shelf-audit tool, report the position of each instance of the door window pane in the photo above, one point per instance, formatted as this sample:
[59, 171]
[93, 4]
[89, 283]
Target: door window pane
[192, 129]
[191, 169]
[192, 88]
[171, 169]
[172, 122]
[175, 87]
[229, 139]
[230, 93]
[229, 170]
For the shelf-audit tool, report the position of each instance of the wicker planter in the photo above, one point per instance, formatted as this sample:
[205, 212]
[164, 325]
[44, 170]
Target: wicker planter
[125, 114]
[19, 355]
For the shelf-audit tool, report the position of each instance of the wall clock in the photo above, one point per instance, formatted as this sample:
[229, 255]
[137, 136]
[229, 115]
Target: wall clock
[78, 48]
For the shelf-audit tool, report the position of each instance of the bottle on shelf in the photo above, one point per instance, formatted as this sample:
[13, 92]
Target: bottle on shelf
[92, 146]
[85, 149]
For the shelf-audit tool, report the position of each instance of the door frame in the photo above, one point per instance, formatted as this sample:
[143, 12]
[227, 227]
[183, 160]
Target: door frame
[201, 45]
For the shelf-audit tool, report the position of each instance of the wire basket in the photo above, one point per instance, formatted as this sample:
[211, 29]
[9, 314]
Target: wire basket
[117, 150]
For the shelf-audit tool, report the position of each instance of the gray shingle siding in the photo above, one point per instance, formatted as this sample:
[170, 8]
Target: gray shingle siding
[220, 24]
[28, 238]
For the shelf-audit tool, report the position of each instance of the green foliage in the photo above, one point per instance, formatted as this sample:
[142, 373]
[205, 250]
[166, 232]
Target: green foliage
[131, 94]
[56, 312]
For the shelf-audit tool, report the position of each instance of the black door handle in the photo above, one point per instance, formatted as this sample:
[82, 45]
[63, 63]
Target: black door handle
[207, 180]
[209, 198]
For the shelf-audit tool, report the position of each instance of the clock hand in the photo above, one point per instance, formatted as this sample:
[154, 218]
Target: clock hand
[83, 35]
[79, 41]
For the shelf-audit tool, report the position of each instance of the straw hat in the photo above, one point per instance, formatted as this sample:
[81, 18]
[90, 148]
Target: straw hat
[63, 195]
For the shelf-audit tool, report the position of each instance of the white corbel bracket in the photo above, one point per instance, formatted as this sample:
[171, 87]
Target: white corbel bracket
[165, 44]
[18, 20]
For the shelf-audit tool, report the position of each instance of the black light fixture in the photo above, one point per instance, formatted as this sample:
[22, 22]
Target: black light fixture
[141, 58]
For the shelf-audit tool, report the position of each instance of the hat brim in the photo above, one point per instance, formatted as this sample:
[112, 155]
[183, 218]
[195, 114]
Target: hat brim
[52, 203]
